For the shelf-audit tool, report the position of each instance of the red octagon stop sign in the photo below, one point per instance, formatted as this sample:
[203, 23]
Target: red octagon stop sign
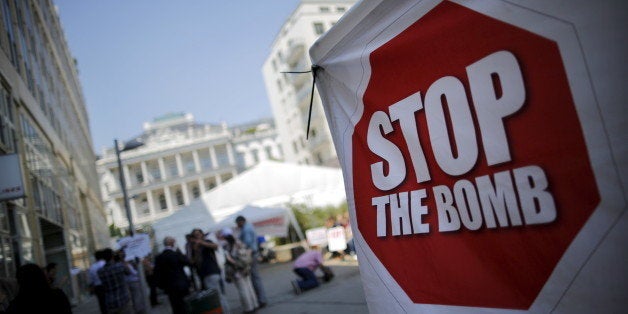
[471, 174]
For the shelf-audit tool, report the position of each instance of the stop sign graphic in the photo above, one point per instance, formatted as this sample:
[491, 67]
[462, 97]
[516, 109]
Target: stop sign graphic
[471, 175]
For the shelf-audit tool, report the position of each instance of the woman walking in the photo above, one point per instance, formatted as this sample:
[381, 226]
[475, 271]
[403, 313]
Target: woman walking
[238, 271]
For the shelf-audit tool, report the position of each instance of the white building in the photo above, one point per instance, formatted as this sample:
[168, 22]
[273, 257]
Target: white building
[180, 159]
[289, 94]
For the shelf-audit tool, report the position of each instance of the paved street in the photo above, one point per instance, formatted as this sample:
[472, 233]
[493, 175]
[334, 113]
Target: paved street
[343, 294]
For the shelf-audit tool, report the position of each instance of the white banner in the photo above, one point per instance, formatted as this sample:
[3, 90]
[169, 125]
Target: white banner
[336, 239]
[136, 246]
[484, 149]
[11, 185]
[316, 236]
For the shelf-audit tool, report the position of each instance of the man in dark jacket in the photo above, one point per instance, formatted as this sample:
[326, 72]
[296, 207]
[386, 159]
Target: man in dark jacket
[170, 275]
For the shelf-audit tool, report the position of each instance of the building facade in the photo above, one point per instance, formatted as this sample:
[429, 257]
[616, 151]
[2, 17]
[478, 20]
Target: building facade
[180, 159]
[43, 119]
[289, 94]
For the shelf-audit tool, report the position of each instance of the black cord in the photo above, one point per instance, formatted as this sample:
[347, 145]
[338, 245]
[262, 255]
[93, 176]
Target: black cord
[314, 69]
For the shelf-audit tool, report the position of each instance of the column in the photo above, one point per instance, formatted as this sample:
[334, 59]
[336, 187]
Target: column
[230, 154]
[133, 209]
[201, 185]
[186, 193]
[151, 205]
[218, 180]
[212, 155]
[127, 177]
[179, 164]
[197, 163]
[162, 169]
[144, 172]
[168, 198]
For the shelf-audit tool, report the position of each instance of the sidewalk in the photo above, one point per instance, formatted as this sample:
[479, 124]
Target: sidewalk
[344, 294]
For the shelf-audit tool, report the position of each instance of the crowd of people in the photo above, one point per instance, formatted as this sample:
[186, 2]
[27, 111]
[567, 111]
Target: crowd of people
[206, 262]
[115, 282]
[206, 256]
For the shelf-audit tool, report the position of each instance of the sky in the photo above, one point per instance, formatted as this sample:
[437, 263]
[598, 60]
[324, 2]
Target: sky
[141, 59]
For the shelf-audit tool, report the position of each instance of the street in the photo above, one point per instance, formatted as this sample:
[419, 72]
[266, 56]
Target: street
[343, 294]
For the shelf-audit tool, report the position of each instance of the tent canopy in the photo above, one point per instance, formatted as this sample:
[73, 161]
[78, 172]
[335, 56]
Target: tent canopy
[260, 194]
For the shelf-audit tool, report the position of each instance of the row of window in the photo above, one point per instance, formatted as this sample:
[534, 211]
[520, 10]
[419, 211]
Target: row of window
[143, 208]
[6, 122]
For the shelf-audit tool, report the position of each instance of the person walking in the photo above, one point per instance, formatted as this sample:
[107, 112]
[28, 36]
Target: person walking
[170, 275]
[95, 284]
[117, 297]
[149, 267]
[238, 271]
[249, 238]
[133, 283]
[304, 266]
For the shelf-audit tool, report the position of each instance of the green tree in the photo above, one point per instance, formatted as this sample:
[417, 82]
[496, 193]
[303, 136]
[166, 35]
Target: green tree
[309, 218]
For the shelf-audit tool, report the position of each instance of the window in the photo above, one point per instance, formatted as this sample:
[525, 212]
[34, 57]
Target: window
[319, 29]
[144, 209]
[341, 9]
[163, 205]
[196, 192]
[210, 184]
[139, 177]
[179, 197]
[324, 9]
[172, 166]
[6, 120]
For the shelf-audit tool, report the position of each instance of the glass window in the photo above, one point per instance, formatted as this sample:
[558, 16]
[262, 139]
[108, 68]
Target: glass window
[139, 176]
[210, 184]
[163, 205]
[319, 28]
[196, 192]
[221, 155]
[143, 209]
[324, 9]
[340, 9]
[179, 197]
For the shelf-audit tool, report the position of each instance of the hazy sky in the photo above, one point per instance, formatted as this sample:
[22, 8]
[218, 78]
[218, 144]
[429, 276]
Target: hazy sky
[141, 59]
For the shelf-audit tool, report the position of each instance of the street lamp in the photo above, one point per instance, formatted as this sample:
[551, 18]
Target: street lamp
[133, 144]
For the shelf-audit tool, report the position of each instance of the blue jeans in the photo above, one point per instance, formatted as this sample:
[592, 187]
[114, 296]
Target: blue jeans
[256, 280]
[309, 278]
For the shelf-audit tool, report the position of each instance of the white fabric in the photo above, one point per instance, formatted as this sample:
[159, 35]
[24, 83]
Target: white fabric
[598, 252]
[259, 194]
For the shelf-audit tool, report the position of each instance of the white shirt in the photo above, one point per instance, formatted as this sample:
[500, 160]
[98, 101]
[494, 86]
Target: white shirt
[94, 280]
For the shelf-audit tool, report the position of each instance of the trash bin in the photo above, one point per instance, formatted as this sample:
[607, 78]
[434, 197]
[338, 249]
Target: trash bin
[204, 302]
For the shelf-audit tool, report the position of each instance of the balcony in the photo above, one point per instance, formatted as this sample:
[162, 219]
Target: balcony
[299, 79]
[295, 51]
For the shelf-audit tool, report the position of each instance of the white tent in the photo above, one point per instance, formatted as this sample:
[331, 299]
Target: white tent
[260, 194]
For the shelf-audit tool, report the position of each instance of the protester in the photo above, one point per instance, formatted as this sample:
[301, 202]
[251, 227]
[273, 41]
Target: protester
[112, 276]
[35, 294]
[189, 253]
[304, 267]
[95, 284]
[249, 237]
[204, 257]
[132, 279]
[170, 275]
[238, 271]
[149, 273]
